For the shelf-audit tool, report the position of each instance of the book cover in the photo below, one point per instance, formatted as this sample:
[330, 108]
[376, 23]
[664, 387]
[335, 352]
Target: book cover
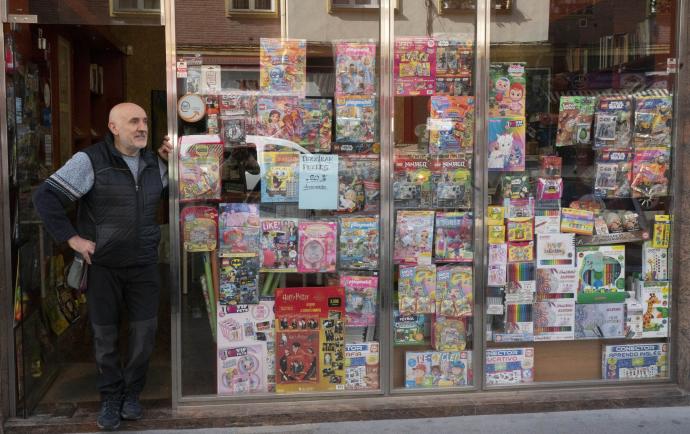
[507, 89]
[451, 125]
[356, 119]
[239, 280]
[451, 176]
[554, 320]
[635, 362]
[414, 235]
[361, 300]
[555, 250]
[654, 297]
[417, 289]
[355, 68]
[575, 115]
[239, 229]
[310, 340]
[509, 366]
[359, 243]
[199, 228]
[317, 246]
[454, 65]
[362, 366]
[507, 144]
[280, 176]
[453, 240]
[601, 320]
[283, 65]
[547, 221]
[414, 66]
[454, 285]
[556, 282]
[279, 243]
[438, 368]
[409, 329]
[242, 369]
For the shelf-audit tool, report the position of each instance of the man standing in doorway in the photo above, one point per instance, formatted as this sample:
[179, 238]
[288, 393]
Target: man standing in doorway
[118, 184]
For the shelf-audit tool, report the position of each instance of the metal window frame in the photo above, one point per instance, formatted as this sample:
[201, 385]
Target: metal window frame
[116, 12]
[482, 60]
[252, 12]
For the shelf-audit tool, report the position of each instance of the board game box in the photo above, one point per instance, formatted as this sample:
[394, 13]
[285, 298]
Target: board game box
[509, 366]
[362, 366]
[438, 368]
[409, 329]
[635, 362]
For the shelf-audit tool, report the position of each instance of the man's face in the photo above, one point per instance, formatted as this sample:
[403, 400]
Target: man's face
[130, 128]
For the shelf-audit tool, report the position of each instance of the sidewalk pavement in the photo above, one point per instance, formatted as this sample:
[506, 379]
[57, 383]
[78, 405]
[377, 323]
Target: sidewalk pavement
[664, 420]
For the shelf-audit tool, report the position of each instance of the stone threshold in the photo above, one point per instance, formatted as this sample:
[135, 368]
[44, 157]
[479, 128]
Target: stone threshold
[160, 415]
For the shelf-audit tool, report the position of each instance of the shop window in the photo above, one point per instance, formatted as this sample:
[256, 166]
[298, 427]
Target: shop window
[119, 7]
[256, 8]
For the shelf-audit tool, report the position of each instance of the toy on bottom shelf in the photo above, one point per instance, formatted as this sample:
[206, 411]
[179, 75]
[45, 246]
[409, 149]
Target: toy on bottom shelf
[634, 362]
[438, 369]
[310, 339]
[509, 366]
[241, 369]
[362, 366]
[601, 270]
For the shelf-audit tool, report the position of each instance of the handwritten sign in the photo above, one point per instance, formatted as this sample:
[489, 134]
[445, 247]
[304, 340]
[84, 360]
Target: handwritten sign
[318, 181]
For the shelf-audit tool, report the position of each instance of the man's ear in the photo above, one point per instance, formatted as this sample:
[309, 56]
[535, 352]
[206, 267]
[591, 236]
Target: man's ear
[113, 128]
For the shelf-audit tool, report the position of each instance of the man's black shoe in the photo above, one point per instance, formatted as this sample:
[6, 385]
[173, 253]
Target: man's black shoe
[109, 417]
[131, 407]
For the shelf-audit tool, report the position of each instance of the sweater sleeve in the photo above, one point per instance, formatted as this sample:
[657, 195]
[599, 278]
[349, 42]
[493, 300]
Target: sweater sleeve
[67, 185]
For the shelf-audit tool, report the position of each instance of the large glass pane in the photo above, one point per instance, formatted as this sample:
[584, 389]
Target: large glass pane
[279, 174]
[579, 157]
[433, 195]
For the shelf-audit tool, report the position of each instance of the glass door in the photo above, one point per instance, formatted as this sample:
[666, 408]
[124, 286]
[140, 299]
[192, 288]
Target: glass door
[580, 157]
[434, 200]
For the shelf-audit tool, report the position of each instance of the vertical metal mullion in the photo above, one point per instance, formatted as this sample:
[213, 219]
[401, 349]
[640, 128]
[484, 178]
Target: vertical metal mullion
[174, 206]
[680, 98]
[481, 71]
[6, 292]
[386, 19]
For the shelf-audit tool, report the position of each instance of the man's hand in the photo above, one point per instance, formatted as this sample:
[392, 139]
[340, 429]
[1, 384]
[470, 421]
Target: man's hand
[166, 149]
[85, 247]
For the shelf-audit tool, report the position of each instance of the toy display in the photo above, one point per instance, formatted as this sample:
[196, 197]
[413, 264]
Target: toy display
[279, 177]
[199, 163]
[355, 68]
[613, 122]
[241, 369]
[454, 290]
[361, 299]
[317, 246]
[283, 65]
[239, 229]
[199, 228]
[575, 120]
[414, 235]
[359, 243]
[601, 271]
[453, 237]
[613, 173]
[654, 297]
[650, 175]
[507, 144]
[412, 184]
[279, 242]
[653, 121]
[507, 90]
[414, 66]
[239, 280]
[451, 125]
[409, 329]
[356, 119]
[417, 289]
[509, 366]
[452, 180]
[454, 64]
[448, 334]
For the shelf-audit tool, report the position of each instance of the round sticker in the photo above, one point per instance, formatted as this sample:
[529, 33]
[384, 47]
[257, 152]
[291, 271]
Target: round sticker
[191, 108]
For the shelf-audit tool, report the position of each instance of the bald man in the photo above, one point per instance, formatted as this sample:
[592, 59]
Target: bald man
[118, 185]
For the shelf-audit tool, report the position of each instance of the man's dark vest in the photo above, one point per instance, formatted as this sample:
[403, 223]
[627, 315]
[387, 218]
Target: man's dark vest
[119, 213]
